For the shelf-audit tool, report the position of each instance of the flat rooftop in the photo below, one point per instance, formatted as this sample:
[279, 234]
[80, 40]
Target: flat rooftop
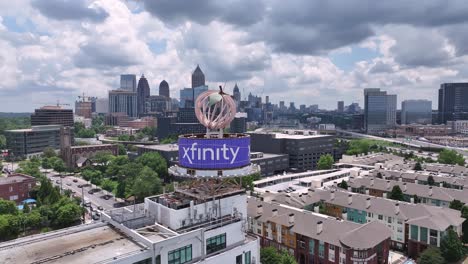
[162, 147]
[87, 246]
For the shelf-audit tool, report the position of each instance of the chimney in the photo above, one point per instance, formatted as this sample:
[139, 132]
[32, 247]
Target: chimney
[384, 195]
[412, 200]
[316, 208]
[274, 212]
[404, 187]
[400, 179]
[319, 227]
[367, 191]
[430, 191]
[311, 192]
[388, 185]
[372, 182]
[259, 209]
[397, 208]
[441, 184]
[332, 195]
[291, 219]
[349, 189]
[288, 198]
[416, 181]
[350, 198]
[368, 202]
[344, 215]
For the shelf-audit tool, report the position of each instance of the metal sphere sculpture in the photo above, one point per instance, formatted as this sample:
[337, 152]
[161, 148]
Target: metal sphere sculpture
[215, 109]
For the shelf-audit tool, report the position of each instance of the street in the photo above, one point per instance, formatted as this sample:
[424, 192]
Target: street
[96, 199]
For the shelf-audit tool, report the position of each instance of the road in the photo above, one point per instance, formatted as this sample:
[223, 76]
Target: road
[67, 183]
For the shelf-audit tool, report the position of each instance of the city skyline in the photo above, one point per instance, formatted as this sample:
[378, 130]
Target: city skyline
[51, 51]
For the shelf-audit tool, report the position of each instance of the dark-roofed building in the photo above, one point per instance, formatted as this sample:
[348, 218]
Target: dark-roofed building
[52, 115]
[164, 89]
[270, 164]
[316, 238]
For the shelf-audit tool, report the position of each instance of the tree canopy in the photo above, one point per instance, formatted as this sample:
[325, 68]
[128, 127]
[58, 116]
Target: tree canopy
[451, 157]
[147, 183]
[431, 255]
[325, 162]
[417, 166]
[343, 185]
[451, 247]
[396, 194]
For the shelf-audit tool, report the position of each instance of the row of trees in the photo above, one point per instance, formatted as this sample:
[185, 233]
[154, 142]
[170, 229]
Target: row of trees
[141, 177]
[271, 256]
[451, 250]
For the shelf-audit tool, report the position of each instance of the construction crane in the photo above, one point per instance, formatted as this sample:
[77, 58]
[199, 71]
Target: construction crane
[58, 104]
[89, 98]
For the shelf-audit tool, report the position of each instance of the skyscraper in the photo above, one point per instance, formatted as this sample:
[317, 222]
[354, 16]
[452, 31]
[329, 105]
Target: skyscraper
[379, 110]
[143, 92]
[453, 102]
[198, 77]
[236, 94]
[164, 89]
[340, 107]
[128, 82]
[121, 101]
[416, 112]
[52, 115]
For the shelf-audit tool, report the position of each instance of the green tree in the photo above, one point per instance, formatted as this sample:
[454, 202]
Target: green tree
[358, 146]
[68, 214]
[120, 191]
[325, 162]
[343, 185]
[103, 157]
[286, 258]
[33, 219]
[396, 194]
[108, 185]
[122, 150]
[451, 247]
[464, 214]
[431, 255]
[456, 204]
[269, 255]
[417, 166]
[155, 162]
[123, 138]
[30, 167]
[49, 153]
[26, 208]
[147, 183]
[430, 181]
[8, 207]
[9, 226]
[58, 165]
[451, 157]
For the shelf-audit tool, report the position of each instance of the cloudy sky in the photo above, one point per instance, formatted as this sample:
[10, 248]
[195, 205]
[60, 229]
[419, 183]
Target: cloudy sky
[310, 52]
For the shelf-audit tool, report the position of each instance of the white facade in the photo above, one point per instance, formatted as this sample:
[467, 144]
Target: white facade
[459, 126]
[102, 105]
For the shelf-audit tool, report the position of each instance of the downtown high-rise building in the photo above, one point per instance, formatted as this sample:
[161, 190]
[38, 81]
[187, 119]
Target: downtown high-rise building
[453, 102]
[143, 92]
[123, 101]
[164, 89]
[198, 77]
[340, 107]
[379, 110]
[416, 112]
[128, 82]
[52, 115]
[236, 94]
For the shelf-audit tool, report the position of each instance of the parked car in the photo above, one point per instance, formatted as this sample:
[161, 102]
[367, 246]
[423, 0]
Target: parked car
[100, 208]
[75, 180]
[106, 197]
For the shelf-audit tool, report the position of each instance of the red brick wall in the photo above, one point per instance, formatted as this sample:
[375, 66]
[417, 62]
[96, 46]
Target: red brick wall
[20, 188]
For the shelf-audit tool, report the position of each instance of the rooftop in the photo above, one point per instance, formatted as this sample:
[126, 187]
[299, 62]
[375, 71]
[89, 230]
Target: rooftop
[73, 245]
[36, 128]
[15, 178]
[161, 147]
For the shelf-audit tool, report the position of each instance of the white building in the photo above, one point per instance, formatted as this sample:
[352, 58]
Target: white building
[102, 105]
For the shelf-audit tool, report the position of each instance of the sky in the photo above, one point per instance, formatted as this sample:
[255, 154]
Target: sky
[305, 51]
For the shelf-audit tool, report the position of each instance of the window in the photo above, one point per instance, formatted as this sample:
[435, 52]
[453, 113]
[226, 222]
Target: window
[331, 253]
[248, 257]
[321, 249]
[239, 259]
[380, 217]
[13, 197]
[389, 219]
[180, 255]
[312, 247]
[302, 244]
[423, 235]
[215, 243]
[414, 232]
[11, 188]
[146, 261]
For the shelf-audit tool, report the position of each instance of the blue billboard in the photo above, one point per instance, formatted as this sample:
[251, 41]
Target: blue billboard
[214, 153]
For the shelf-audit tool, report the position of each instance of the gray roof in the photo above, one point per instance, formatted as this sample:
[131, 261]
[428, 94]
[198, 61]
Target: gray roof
[423, 176]
[440, 218]
[334, 231]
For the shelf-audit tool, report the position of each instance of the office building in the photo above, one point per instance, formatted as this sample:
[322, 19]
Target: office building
[416, 112]
[198, 78]
[340, 107]
[379, 110]
[146, 121]
[184, 226]
[270, 164]
[32, 141]
[304, 149]
[123, 101]
[102, 105]
[315, 238]
[185, 122]
[157, 104]
[115, 119]
[16, 187]
[52, 115]
[453, 102]
[282, 106]
[239, 123]
[128, 82]
[187, 95]
[236, 94]
[143, 92]
[83, 108]
[164, 89]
